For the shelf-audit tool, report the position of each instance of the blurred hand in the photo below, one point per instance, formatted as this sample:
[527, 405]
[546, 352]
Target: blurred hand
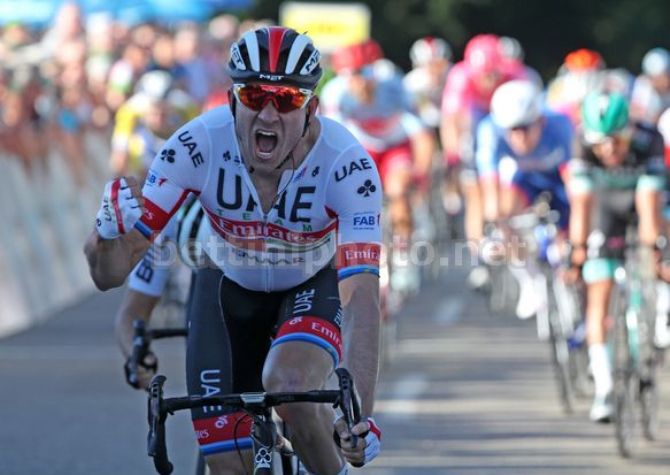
[146, 369]
[121, 208]
[368, 441]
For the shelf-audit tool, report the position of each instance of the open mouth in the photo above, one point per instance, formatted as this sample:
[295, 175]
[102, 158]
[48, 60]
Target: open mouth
[266, 142]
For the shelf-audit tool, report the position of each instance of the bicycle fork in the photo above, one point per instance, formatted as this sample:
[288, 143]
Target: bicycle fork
[264, 437]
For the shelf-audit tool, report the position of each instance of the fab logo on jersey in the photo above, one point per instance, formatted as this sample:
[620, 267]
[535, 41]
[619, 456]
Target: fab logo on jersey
[366, 221]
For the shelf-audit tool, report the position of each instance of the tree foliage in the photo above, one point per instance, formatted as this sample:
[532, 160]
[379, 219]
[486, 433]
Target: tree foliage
[621, 30]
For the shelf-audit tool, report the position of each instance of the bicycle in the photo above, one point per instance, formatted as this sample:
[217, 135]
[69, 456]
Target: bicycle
[560, 319]
[142, 339]
[502, 288]
[258, 405]
[636, 358]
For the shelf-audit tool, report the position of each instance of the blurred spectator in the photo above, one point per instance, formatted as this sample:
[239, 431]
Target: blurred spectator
[71, 78]
[74, 111]
[188, 52]
[222, 32]
[124, 73]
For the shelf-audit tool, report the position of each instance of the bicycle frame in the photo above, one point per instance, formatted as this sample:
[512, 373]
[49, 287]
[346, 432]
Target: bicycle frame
[634, 352]
[257, 405]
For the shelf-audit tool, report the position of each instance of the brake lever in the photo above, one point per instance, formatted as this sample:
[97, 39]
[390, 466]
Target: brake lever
[157, 415]
[140, 351]
[349, 401]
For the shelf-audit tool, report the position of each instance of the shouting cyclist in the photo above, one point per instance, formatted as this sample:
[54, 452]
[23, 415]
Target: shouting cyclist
[615, 181]
[522, 151]
[294, 203]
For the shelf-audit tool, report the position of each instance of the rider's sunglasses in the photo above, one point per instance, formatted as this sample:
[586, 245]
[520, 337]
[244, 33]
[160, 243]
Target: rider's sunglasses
[522, 127]
[284, 98]
[595, 139]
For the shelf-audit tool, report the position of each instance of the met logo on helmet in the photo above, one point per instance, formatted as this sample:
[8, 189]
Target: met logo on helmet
[271, 77]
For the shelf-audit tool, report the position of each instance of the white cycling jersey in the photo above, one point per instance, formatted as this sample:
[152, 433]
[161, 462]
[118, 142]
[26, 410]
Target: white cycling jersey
[327, 208]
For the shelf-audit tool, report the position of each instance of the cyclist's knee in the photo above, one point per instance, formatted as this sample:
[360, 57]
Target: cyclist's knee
[397, 183]
[296, 366]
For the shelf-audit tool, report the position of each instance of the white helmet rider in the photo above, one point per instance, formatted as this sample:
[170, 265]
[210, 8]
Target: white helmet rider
[516, 103]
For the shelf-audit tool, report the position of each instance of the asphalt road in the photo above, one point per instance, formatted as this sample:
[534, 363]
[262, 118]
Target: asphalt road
[466, 393]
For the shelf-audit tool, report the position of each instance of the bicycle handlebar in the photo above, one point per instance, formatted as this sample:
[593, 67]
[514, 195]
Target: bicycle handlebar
[158, 409]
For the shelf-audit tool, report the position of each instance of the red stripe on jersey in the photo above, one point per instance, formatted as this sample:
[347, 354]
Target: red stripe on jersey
[276, 34]
[330, 212]
[222, 428]
[156, 217]
[116, 185]
[313, 326]
[357, 254]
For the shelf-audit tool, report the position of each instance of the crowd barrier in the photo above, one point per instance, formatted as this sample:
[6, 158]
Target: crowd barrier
[45, 220]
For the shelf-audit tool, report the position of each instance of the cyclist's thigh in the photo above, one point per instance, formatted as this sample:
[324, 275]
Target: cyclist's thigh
[309, 326]
[610, 215]
[395, 169]
[209, 373]
[224, 354]
[613, 209]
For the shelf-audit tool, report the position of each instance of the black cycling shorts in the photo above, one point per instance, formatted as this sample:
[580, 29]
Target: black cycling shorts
[613, 211]
[227, 354]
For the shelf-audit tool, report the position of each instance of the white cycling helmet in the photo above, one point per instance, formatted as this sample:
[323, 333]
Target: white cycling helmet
[656, 62]
[511, 48]
[516, 103]
[427, 49]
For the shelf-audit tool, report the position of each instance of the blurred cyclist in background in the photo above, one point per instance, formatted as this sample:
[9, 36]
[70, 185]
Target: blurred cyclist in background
[651, 91]
[431, 58]
[368, 96]
[465, 101]
[615, 181]
[522, 151]
[583, 71]
[580, 73]
[512, 51]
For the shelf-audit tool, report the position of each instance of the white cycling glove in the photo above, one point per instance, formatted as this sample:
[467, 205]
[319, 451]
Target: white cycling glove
[373, 444]
[372, 439]
[119, 210]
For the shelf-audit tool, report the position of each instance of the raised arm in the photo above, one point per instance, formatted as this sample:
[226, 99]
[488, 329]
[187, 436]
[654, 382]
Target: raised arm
[114, 247]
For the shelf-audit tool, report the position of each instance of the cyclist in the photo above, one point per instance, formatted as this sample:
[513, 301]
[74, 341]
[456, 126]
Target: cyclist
[616, 178]
[522, 151]
[465, 101]
[431, 58]
[583, 71]
[651, 91]
[662, 334]
[293, 200]
[368, 97]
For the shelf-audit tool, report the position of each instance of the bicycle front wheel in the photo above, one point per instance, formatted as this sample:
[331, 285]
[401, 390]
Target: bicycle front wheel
[560, 352]
[625, 387]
